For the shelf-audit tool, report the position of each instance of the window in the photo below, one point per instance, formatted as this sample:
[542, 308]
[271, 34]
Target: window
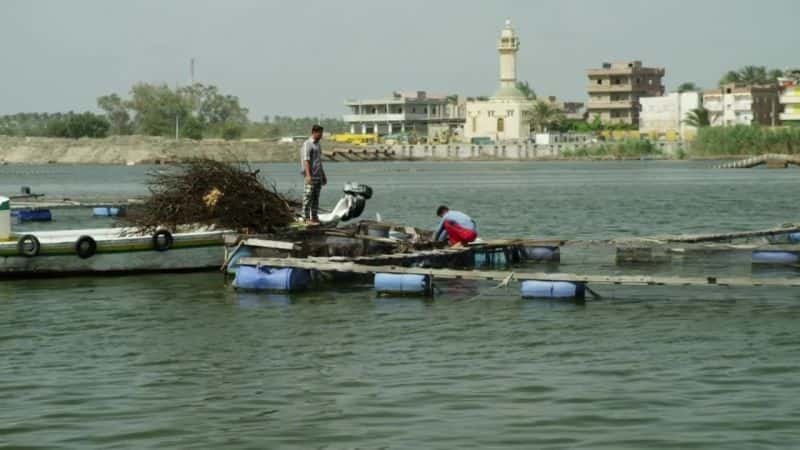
[599, 81]
[474, 125]
[490, 113]
[501, 126]
[510, 113]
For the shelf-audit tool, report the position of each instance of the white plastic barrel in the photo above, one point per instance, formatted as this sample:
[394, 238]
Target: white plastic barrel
[396, 283]
[775, 257]
[552, 289]
[271, 279]
[5, 218]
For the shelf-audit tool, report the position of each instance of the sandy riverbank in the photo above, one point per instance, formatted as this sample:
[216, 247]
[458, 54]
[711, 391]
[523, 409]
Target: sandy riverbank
[137, 150]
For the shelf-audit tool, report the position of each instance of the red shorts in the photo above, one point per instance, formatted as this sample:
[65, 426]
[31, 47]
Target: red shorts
[456, 233]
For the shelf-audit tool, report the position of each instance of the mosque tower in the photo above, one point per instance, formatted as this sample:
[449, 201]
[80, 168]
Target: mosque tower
[507, 46]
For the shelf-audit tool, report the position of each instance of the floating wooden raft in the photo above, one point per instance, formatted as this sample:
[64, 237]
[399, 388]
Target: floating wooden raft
[716, 237]
[338, 265]
[772, 160]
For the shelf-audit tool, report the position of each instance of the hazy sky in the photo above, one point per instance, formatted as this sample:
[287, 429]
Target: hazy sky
[306, 57]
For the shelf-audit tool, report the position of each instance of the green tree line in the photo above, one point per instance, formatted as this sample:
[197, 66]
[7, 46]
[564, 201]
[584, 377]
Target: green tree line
[197, 111]
[67, 125]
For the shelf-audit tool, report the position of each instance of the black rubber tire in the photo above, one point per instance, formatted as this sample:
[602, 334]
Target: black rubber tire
[85, 247]
[162, 245]
[24, 241]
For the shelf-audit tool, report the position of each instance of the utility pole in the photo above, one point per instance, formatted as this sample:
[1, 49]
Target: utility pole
[177, 126]
[191, 70]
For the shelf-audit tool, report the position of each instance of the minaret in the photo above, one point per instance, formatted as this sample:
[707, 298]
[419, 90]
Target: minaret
[507, 47]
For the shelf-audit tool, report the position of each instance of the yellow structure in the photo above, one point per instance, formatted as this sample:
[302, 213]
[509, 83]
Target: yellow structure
[356, 139]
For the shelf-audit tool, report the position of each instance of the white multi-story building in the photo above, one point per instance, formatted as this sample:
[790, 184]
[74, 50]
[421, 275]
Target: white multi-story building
[402, 112]
[790, 101]
[667, 114]
[737, 104]
[502, 116]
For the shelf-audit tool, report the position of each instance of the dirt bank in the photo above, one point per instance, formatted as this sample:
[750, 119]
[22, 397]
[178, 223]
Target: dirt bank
[137, 150]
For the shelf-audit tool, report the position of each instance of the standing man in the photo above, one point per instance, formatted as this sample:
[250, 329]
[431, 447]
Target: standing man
[455, 227]
[313, 174]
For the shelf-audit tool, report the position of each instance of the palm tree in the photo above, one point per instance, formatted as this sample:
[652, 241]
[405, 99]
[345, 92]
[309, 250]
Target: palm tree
[688, 87]
[730, 76]
[753, 74]
[698, 118]
[774, 74]
[526, 90]
[543, 115]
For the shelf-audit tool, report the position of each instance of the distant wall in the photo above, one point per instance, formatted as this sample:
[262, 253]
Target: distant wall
[520, 151]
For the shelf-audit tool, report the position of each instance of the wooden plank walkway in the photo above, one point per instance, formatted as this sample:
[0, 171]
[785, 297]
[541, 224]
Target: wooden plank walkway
[769, 158]
[449, 253]
[329, 265]
[717, 237]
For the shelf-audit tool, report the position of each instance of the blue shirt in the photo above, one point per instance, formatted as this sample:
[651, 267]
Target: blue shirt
[461, 219]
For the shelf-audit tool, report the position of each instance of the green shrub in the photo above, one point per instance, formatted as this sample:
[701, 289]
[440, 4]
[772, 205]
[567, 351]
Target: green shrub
[192, 128]
[629, 148]
[745, 140]
[76, 126]
[231, 131]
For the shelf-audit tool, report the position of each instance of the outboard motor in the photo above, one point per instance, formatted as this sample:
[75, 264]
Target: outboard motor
[350, 206]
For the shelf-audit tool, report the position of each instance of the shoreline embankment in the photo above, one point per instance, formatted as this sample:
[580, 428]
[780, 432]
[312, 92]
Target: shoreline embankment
[134, 150]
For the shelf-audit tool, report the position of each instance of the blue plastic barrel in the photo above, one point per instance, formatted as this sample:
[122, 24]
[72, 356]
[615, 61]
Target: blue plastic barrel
[266, 278]
[105, 211]
[552, 289]
[542, 253]
[398, 283]
[491, 258]
[794, 238]
[775, 257]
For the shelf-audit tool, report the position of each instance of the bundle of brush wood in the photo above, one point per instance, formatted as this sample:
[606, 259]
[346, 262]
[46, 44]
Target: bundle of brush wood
[208, 192]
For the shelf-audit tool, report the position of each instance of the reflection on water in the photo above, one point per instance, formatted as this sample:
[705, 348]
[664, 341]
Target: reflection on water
[183, 361]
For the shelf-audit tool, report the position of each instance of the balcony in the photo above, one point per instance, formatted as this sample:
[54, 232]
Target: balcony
[619, 104]
[381, 117]
[792, 116]
[790, 99]
[609, 87]
[599, 88]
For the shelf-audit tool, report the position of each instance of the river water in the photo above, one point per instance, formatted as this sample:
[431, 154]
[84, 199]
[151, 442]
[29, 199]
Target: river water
[183, 361]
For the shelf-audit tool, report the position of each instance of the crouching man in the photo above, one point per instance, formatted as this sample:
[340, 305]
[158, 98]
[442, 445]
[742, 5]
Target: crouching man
[455, 227]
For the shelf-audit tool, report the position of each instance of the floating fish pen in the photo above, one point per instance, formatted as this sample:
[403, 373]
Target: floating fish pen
[771, 246]
[401, 260]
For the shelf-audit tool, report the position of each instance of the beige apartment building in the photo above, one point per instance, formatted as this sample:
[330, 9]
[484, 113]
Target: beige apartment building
[739, 104]
[615, 90]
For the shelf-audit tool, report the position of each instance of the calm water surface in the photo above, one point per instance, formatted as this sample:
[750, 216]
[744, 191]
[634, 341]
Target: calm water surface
[183, 361]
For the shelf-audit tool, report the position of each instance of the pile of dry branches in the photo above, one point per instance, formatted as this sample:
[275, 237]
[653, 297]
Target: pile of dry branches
[208, 192]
